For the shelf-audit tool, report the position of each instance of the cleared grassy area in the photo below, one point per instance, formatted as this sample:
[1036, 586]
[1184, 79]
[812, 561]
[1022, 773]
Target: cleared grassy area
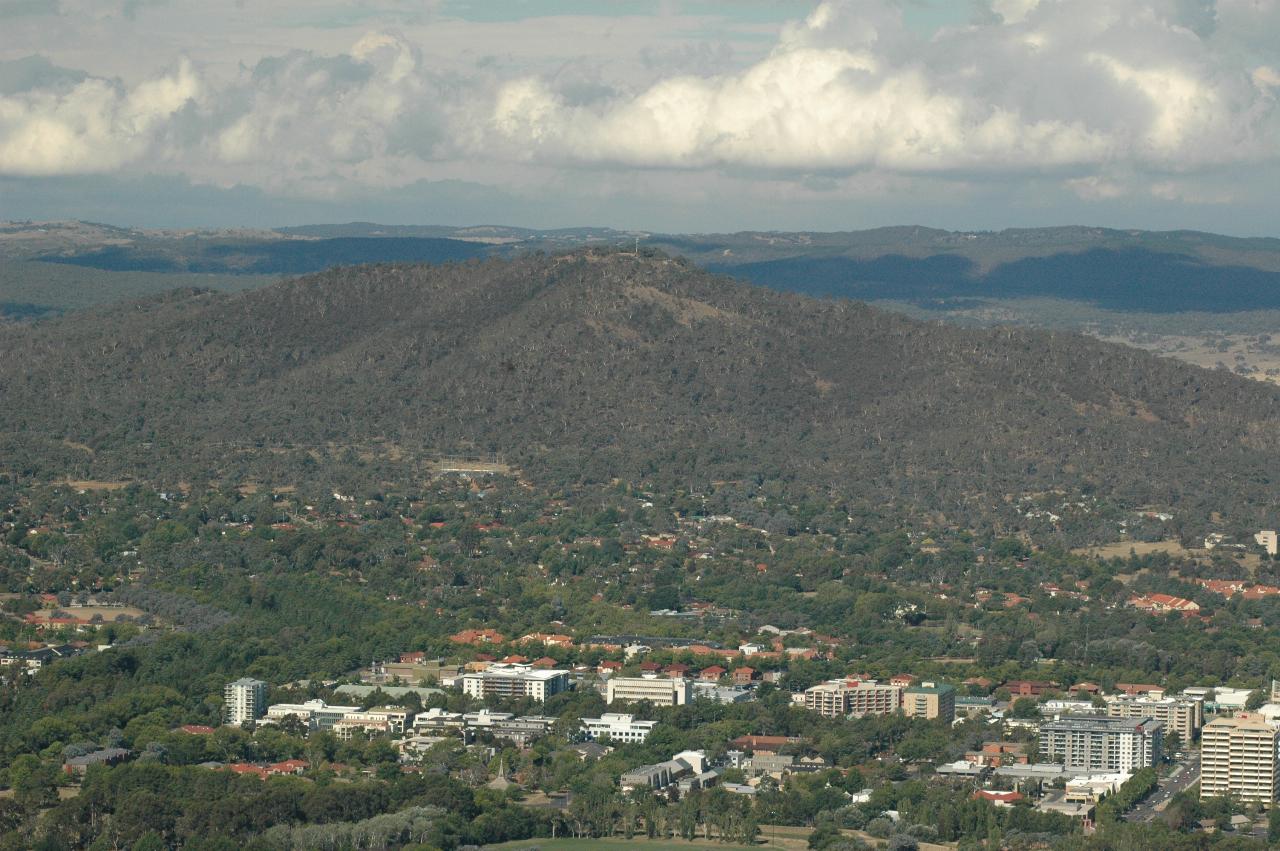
[787, 838]
[1122, 549]
[613, 844]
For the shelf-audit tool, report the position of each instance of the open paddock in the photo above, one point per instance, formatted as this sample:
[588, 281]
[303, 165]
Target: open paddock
[1123, 549]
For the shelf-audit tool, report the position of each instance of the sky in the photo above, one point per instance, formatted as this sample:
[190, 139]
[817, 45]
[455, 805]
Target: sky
[658, 115]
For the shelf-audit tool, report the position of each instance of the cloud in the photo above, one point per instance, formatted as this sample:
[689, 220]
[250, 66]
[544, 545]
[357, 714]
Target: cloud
[317, 124]
[292, 122]
[90, 125]
[1098, 99]
[1041, 86]
[1095, 188]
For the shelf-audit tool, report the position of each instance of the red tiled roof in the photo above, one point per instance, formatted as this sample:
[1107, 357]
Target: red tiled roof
[244, 768]
[289, 766]
[478, 636]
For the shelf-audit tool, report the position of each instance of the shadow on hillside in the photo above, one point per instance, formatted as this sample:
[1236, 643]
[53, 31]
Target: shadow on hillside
[1131, 279]
[283, 257]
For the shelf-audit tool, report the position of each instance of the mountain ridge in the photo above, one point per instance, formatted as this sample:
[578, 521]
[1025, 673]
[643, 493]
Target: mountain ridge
[1152, 273]
[605, 364]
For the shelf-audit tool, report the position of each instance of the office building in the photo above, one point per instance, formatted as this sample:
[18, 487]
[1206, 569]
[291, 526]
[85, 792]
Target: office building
[370, 725]
[684, 765]
[1220, 700]
[1098, 744]
[840, 698]
[931, 701]
[244, 701]
[436, 721]
[314, 714]
[515, 681]
[617, 728]
[660, 691]
[1092, 788]
[520, 730]
[388, 720]
[1238, 758]
[1062, 706]
[1185, 715]
[968, 706]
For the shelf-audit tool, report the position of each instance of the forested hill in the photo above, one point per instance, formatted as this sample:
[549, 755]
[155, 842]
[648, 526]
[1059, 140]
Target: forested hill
[601, 364]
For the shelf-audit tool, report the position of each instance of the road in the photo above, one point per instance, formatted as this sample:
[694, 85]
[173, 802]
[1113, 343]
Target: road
[1184, 775]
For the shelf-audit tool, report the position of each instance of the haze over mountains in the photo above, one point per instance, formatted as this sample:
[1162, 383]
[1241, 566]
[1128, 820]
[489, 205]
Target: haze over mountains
[596, 364]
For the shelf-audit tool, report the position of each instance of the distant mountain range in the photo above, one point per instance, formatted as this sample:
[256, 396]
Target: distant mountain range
[1124, 270]
[598, 364]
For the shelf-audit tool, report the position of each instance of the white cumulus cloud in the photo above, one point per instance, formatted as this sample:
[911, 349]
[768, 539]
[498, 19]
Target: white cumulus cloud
[1098, 98]
[93, 125]
[1041, 85]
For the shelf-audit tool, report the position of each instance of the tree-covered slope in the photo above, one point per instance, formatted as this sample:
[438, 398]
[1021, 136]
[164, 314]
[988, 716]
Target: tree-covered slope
[591, 365]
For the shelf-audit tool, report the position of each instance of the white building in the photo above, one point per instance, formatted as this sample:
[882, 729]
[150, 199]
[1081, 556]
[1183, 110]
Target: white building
[660, 691]
[243, 701]
[717, 693]
[1090, 788]
[397, 718]
[1062, 706]
[1267, 540]
[1098, 744]
[436, 721]
[389, 720]
[315, 714]
[617, 727]
[1221, 699]
[515, 681]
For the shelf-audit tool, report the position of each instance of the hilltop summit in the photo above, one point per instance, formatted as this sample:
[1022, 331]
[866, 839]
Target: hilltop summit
[594, 364]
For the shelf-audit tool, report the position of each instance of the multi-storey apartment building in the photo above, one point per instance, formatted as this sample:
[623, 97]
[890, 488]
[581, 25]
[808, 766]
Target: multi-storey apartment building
[930, 700]
[515, 681]
[660, 691]
[243, 701]
[1238, 758]
[839, 698]
[1185, 715]
[1099, 744]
